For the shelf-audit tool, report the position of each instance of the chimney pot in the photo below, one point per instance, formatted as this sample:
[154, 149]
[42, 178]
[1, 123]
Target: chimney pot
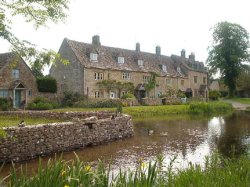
[192, 57]
[158, 50]
[183, 53]
[96, 40]
[138, 47]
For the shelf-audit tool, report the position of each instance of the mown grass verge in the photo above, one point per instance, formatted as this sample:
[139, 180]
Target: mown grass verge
[8, 121]
[145, 111]
[242, 100]
[217, 171]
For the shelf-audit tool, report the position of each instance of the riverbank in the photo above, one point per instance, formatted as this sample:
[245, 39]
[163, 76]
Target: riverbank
[202, 108]
[217, 171]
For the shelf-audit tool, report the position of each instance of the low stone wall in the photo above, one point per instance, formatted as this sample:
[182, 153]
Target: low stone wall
[23, 143]
[151, 101]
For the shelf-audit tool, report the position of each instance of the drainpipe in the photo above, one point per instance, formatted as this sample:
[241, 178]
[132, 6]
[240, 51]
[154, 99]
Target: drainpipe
[14, 98]
[84, 81]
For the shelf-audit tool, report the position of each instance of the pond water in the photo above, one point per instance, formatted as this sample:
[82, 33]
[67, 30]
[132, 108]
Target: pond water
[187, 138]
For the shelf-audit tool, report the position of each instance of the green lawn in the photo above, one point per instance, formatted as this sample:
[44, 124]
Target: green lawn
[242, 100]
[8, 121]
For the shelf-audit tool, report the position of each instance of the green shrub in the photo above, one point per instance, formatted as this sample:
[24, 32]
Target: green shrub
[70, 98]
[214, 95]
[104, 103]
[40, 103]
[5, 104]
[46, 84]
[128, 96]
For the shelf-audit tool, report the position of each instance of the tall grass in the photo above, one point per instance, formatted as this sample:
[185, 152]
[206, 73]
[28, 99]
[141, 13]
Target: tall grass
[217, 171]
[210, 107]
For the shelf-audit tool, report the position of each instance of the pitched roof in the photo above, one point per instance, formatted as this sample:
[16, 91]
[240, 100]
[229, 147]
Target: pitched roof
[107, 58]
[190, 64]
[5, 58]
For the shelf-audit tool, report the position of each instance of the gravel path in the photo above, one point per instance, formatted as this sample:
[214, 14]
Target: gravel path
[237, 105]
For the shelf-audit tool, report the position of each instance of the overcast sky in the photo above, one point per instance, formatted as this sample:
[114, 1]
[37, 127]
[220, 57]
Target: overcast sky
[172, 24]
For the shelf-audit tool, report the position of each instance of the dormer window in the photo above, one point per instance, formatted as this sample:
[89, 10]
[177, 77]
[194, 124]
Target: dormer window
[163, 67]
[140, 62]
[121, 60]
[179, 70]
[94, 57]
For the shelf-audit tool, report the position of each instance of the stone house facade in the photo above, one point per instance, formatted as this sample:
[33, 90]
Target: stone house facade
[17, 81]
[93, 63]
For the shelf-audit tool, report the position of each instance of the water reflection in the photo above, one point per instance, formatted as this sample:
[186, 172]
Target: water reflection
[188, 138]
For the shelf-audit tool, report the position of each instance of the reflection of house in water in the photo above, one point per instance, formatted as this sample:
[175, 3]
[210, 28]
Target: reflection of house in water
[17, 82]
[92, 63]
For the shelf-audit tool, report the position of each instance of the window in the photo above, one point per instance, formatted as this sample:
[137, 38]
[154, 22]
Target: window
[195, 79]
[146, 78]
[98, 76]
[121, 60]
[126, 76]
[140, 62]
[182, 82]
[179, 70]
[112, 95]
[97, 94]
[30, 93]
[163, 67]
[15, 73]
[93, 57]
[169, 81]
[204, 80]
[4, 93]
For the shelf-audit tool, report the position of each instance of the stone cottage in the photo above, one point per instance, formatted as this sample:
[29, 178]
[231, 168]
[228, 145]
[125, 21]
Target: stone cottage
[92, 63]
[17, 81]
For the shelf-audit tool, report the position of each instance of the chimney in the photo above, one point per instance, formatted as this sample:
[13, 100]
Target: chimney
[183, 53]
[192, 57]
[137, 47]
[158, 50]
[96, 40]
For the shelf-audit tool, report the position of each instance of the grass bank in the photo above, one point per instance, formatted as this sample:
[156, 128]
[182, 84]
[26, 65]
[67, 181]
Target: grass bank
[242, 100]
[8, 121]
[218, 171]
[145, 111]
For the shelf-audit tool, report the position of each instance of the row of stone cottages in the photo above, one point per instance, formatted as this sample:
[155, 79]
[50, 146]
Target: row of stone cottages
[92, 63]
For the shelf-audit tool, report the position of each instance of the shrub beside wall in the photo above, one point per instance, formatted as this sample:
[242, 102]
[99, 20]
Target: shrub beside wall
[46, 84]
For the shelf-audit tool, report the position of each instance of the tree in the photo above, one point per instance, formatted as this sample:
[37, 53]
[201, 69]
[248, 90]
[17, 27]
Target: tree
[39, 13]
[243, 81]
[227, 52]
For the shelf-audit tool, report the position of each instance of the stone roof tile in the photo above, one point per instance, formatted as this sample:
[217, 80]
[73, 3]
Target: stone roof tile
[107, 59]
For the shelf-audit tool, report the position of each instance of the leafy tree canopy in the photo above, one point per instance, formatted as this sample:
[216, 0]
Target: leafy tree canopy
[228, 51]
[37, 12]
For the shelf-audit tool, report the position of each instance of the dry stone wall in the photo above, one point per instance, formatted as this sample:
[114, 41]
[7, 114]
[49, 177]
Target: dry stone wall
[23, 143]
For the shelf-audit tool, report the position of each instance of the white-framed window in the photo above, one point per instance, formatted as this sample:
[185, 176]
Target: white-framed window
[97, 94]
[204, 80]
[140, 62]
[30, 93]
[120, 60]
[182, 82]
[94, 57]
[179, 70]
[4, 93]
[163, 67]
[126, 76]
[195, 79]
[146, 78]
[169, 81]
[15, 73]
[98, 76]
[112, 95]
